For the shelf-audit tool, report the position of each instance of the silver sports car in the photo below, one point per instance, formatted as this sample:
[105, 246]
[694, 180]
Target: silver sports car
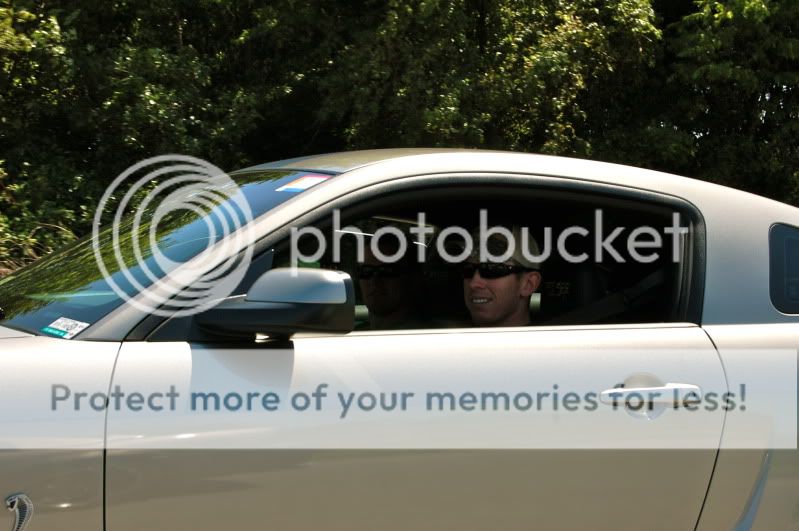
[326, 345]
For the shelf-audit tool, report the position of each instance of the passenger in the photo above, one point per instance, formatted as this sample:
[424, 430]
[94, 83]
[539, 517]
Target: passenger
[392, 291]
[498, 294]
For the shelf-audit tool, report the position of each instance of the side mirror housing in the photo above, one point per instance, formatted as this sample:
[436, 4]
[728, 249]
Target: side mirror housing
[285, 301]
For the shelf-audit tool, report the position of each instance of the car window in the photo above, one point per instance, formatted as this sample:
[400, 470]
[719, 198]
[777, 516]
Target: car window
[69, 285]
[622, 262]
[784, 267]
[397, 274]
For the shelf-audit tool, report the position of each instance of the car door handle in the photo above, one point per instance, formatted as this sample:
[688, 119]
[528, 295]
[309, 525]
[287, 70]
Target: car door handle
[671, 394]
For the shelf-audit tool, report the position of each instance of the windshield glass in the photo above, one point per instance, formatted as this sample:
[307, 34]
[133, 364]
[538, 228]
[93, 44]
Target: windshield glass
[66, 292]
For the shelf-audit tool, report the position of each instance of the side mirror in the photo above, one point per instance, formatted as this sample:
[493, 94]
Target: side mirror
[285, 301]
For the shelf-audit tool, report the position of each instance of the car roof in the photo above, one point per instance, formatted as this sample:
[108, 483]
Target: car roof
[471, 160]
[350, 160]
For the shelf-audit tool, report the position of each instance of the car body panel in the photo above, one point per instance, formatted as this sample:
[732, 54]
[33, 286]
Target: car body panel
[760, 484]
[424, 488]
[66, 487]
[60, 463]
[7, 333]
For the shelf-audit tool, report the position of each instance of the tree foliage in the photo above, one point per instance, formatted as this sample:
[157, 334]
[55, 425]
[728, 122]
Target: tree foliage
[738, 70]
[706, 88]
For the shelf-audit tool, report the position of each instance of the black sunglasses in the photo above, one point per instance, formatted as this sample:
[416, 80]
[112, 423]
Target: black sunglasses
[380, 271]
[490, 271]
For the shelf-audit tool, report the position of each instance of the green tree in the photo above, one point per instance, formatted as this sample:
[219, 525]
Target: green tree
[486, 73]
[737, 71]
[705, 88]
[36, 85]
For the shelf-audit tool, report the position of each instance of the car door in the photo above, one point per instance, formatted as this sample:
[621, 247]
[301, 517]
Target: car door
[549, 463]
[201, 471]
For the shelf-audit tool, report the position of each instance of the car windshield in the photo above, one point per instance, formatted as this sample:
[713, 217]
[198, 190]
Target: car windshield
[69, 285]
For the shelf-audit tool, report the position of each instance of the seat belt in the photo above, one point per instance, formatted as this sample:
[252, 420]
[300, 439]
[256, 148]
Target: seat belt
[613, 304]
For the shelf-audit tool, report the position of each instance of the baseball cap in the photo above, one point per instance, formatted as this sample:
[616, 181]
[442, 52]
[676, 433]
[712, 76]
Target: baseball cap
[497, 245]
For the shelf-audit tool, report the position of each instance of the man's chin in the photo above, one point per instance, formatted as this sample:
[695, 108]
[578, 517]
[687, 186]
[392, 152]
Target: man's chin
[481, 318]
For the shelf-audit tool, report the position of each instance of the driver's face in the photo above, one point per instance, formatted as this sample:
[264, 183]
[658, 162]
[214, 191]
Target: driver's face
[385, 289]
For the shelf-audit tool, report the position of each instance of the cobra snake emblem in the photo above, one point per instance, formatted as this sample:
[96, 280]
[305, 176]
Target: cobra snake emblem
[22, 507]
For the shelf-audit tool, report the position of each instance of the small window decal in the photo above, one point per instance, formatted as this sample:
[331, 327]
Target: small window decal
[65, 328]
[303, 183]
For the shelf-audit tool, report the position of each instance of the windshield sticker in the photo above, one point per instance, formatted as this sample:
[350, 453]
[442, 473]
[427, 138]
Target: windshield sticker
[65, 328]
[303, 183]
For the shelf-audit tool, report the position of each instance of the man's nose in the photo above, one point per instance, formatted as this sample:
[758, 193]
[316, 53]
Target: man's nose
[476, 280]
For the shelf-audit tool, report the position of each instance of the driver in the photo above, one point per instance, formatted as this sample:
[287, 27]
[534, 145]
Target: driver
[391, 291]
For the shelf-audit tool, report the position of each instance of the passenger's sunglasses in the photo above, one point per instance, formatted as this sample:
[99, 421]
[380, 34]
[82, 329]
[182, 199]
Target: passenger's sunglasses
[490, 271]
[380, 271]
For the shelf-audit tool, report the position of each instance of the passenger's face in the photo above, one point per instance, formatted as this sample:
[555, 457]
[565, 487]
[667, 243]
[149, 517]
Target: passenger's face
[500, 301]
[383, 293]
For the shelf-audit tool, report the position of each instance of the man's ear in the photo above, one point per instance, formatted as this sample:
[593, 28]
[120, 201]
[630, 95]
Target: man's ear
[531, 281]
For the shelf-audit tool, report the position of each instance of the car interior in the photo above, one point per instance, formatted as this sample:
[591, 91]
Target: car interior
[607, 289]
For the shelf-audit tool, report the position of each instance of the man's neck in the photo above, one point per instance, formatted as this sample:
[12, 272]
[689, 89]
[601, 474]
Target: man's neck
[519, 318]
